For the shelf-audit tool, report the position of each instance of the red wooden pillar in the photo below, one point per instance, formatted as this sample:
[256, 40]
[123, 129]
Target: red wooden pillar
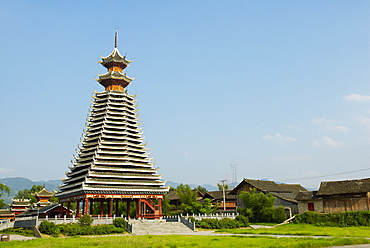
[160, 207]
[78, 209]
[128, 209]
[101, 207]
[91, 206]
[86, 206]
[138, 208]
[110, 206]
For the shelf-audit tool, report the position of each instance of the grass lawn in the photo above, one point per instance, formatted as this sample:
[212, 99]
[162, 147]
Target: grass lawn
[306, 229]
[183, 241]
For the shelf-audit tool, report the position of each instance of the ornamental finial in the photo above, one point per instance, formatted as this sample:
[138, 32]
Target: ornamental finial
[116, 39]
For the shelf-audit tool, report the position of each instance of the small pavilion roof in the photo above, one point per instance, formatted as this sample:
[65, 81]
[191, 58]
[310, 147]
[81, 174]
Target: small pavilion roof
[115, 56]
[44, 193]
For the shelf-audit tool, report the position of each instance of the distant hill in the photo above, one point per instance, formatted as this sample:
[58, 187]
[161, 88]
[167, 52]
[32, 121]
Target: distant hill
[20, 183]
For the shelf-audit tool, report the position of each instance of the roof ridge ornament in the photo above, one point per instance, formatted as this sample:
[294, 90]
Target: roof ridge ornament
[116, 39]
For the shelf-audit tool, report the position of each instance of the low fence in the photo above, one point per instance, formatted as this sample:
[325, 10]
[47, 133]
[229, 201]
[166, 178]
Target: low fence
[106, 220]
[187, 223]
[6, 224]
[211, 216]
[35, 221]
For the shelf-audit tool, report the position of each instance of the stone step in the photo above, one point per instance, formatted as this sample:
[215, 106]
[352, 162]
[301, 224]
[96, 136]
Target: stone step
[141, 227]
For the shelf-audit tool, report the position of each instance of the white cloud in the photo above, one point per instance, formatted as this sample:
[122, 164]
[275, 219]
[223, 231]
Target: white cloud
[357, 98]
[278, 138]
[186, 153]
[342, 129]
[331, 125]
[5, 171]
[328, 142]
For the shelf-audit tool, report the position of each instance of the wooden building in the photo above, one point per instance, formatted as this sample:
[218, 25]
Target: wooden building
[6, 214]
[337, 196]
[112, 164]
[217, 198]
[43, 197]
[50, 211]
[285, 193]
[309, 201]
[174, 198]
[19, 206]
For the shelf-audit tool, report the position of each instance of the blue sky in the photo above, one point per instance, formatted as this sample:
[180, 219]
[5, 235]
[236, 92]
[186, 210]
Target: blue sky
[280, 88]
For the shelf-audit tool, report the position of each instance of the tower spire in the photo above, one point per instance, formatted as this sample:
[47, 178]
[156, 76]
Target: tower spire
[116, 39]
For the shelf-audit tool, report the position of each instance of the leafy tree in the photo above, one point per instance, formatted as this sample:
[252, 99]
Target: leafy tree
[201, 189]
[198, 208]
[3, 189]
[259, 207]
[54, 199]
[220, 186]
[186, 194]
[29, 193]
[166, 207]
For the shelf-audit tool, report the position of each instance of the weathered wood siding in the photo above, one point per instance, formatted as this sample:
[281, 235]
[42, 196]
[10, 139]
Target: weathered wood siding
[345, 204]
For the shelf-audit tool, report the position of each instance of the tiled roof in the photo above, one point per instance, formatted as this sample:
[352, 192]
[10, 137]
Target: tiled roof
[345, 187]
[44, 210]
[269, 186]
[306, 195]
[218, 195]
[172, 195]
[6, 212]
[44, 192]
[285, 196]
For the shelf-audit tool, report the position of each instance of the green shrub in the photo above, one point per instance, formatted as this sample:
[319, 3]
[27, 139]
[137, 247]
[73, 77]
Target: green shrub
[344, 219]
[119, 222]
[20, 231]
[225, 223]
[85, 220]
[73, 229]
[243, 221]
[279, 215]
[49, 228]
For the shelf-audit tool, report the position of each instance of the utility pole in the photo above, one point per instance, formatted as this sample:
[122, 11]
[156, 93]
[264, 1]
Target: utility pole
[223, 192]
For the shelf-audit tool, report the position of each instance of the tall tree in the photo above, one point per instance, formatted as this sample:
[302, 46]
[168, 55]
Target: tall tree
[186, 194]
[259, 207]
[3, 189]
[201, 189]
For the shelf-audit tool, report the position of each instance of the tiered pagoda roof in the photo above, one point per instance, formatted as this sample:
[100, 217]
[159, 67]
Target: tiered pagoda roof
[112, 158]
[43, 197]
